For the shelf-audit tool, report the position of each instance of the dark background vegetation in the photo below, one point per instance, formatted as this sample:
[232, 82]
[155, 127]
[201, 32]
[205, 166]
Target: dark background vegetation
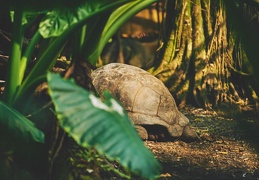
[206, 52]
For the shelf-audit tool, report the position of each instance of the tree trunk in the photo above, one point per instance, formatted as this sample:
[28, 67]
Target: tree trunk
[198, 65]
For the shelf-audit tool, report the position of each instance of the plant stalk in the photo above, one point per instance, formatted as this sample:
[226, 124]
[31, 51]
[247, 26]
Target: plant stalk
[12, 81]
[28, 54]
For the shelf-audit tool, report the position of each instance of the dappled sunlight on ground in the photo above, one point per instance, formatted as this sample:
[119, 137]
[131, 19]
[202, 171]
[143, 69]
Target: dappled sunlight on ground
[224, 152]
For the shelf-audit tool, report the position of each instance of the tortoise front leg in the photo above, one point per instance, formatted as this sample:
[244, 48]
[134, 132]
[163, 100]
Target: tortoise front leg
[142, 132]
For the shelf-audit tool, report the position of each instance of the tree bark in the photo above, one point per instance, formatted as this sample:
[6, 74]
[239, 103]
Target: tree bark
[174, 67]
[198, 65]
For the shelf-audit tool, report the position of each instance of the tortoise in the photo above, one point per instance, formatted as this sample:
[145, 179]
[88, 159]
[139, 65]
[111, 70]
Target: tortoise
[145, 98]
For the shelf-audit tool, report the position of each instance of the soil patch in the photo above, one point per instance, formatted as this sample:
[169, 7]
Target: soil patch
[228, 148]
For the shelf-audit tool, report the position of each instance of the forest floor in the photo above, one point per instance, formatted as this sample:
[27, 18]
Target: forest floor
[228, 149]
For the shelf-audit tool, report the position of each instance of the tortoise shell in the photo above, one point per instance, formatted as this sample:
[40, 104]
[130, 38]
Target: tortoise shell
[145, 98]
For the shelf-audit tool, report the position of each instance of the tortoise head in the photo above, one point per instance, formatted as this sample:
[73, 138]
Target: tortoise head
[190, 134]
[181, 128]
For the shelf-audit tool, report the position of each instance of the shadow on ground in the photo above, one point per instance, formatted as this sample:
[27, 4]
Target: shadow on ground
[228, 148]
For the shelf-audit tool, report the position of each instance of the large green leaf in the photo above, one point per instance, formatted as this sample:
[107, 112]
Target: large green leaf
[116, 20]
[40, 5]
[104, 126]
[17, 125]
[60, 19]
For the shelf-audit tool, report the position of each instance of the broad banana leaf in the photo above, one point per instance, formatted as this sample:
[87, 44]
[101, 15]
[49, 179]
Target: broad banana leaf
[61, 19]
[103, 125]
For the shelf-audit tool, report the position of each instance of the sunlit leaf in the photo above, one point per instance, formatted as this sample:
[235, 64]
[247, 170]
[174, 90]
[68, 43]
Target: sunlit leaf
[60, 19]
[116, 20]
[39, 5]
[104, 126]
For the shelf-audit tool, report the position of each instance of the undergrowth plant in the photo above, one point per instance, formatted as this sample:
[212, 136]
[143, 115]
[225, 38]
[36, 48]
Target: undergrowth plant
[90, 121]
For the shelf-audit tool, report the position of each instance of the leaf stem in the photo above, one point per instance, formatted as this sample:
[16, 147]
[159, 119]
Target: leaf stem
[28, 54]
[12, 82]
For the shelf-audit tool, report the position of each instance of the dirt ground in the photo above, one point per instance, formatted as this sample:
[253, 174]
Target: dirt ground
[228, 148]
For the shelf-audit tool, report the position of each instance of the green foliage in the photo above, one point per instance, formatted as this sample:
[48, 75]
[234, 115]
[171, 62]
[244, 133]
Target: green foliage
[89, 121]
[104, 126]
[61, 23]
[41, 6]
[59, 20]
[20, 126]
[116, 20]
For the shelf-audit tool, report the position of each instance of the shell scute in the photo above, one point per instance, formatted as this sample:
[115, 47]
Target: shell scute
[145, 98]
[146, 101]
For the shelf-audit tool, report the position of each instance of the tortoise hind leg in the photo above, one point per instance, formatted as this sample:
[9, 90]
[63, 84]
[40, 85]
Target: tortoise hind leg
[142, 132]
